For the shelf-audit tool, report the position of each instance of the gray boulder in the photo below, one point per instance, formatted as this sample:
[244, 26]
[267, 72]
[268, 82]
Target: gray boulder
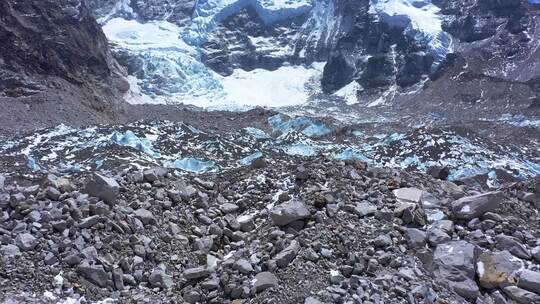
[289, 212]
[529, 280]
[196, 273]
[26, 241]
[94, 274]
[409, 195]
[158, 278]
[102, 187]
[454, 265]
[288, 254]
[520, 295]
[416, 238]
[265, 280]
[475, 206]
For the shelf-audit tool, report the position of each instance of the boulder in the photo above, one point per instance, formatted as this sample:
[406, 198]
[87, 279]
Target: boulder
[289, 212]
[410, 195]
[475, 206]
[497, 269]
[158, 278]
[265, 280]
[454, 265]
[520, 295]
[102, 187]
[94, 274]
[529, 280]
[196, 273]
[26, 241]
[283, 258]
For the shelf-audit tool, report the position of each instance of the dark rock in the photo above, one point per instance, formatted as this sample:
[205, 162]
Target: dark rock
[289, 212]
[476, 205]
[94, 274]
[158, 278]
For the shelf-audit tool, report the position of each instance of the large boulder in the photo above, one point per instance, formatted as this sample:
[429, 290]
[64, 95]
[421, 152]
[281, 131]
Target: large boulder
[498, 269]
[529, 280]
[265, 280]
[289, 212]
[475, 206]
[454, 265]
[103, 187]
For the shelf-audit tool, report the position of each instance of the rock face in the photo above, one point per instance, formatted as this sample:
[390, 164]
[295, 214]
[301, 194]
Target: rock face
[50, 46]
[476, 205]
[498, 269]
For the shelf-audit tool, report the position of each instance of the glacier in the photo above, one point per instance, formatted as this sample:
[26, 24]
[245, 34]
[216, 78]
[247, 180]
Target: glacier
[191, 164]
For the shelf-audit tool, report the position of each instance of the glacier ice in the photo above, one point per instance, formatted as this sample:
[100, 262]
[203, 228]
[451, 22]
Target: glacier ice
[246, 161]
[191, 164]
[421, 20]
[32, 164]
[350, 154]
[300, 149]
[257, 133]
[131, 140]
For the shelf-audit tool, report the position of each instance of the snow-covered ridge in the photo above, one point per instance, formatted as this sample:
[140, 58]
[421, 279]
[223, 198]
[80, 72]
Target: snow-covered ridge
[421, 20]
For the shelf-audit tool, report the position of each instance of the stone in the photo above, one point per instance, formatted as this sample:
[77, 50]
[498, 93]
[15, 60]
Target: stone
[416, 238]
[383, 241]
[437, 236]
[244, 266]
[25, 241]
[10, 250]
[438, 172]
[89, 221]
[158, 278]
[513, 245]
[118, 278]
[475, 206]
[288, 254]
[529, 280]
[408, 195]
[145, 216]
[365, 209]
[452, 189]
[535, 252]
[289, 212]
[312, 300]
[454, 264]
[102, 187]
[497, 269]
[196, 273]
[228, 208]
[520, 295]
[94, 274]
[52, 193]
[265, 280]
[154, 174]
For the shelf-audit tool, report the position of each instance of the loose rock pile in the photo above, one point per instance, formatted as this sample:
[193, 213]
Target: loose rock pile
[283, 231]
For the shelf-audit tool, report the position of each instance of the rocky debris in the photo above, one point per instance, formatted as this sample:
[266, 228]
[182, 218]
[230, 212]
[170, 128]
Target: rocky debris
[521, 296]
[289, 212]
[255, 234]
[475, 206]
[103, 187]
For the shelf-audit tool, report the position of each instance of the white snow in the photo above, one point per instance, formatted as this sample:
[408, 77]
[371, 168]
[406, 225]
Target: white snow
[133, 35]
[348, 92]
[283, 87]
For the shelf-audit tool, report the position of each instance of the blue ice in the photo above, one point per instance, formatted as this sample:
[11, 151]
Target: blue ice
[129, 139]
[246, 161]
[32, 164]
[257, 133]
[300, 149]
[350, 154]
[191, 164]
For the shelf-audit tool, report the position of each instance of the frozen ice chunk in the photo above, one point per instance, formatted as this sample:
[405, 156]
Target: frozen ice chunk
[300, 149]
[131, 140]
[191, 164]
[246, 161]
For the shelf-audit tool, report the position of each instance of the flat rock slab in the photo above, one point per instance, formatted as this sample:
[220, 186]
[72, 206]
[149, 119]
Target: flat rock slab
[475, 206]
